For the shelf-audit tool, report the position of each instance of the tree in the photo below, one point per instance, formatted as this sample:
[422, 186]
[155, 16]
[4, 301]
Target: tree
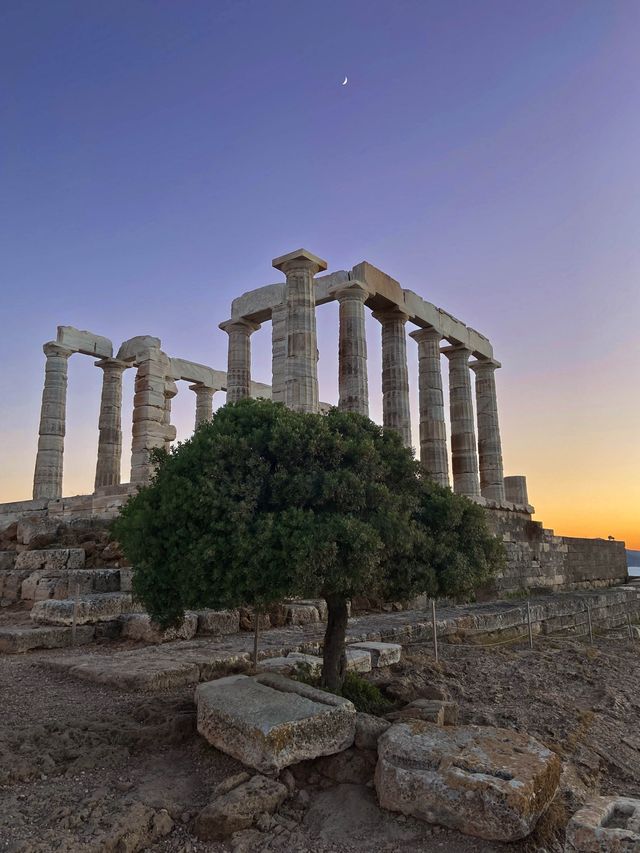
[264, 503]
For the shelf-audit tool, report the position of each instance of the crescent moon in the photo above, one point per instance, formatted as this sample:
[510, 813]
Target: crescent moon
[344, 82]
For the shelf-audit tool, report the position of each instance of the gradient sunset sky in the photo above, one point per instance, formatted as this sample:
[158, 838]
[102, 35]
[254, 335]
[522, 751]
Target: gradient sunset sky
[155, 156]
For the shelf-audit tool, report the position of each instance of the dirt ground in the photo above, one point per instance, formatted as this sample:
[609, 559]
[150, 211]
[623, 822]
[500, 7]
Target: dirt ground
[85, 768]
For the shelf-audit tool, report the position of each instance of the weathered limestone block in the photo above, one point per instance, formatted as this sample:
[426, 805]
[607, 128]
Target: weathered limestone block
[605, 825]
[139, 626]
[135, 672]
[358, 660]
[269, 722]
[38, 531]
[7, 560]
[54, 559]
[63, 583]
[302, 614]
[436, 711]
[126, 580]
[488, 782]
[100, 607]
[382, 654]
[321, 606]
[16, 640]
[369, 730]
[287, 665]
[218, 621]
[11, 585]
[238, 808]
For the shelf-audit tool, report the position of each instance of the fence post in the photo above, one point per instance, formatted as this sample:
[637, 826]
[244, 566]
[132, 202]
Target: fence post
[74, 620]
[590, 625]
[529, 624]
[435, 630]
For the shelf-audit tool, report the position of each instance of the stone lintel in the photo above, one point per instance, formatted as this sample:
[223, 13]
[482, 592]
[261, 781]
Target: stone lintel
[299, 258]
[136, 348]
[199, 374]
[87, 343]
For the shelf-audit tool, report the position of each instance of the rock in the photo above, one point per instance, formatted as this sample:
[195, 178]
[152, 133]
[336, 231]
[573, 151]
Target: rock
[352, 766]
[605, 825]
[16, 640]
[139, 626]
[488, 782]
[382, 654]
[218, 622]
[247, 841]
[53, 559]
[100, 607]
[269, 722]
[247, 620]
[302, 614]
[7, 560]
[239, 808]
[288, 780]
[358, 660]
[126, 580]
[38, 531]
[319, 603]
[287, 665]
[230, 783]
[369, 729]
[429, 710]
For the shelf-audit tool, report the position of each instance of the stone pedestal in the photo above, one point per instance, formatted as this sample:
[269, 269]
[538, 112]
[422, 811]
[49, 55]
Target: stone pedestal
[301, 370]
[278, 351]
[464, 459]
[204, 402]
[150, 428]
[239, 358]
[433, 432]
[489, 443]
[353, 383]
[47, 479]
[110, 423]
[515, 490]
[396, 414]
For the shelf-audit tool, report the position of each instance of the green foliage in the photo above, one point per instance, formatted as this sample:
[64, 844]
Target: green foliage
[364, 695]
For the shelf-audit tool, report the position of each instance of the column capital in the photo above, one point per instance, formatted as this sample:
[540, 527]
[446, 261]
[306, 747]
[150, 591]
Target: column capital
[484, 364]
[428, 334]
[458, 350]
[51, 348]
[300, 259]
[393, 313]
[351, 290]
[201, 387]
[248, 327]
[112, 364]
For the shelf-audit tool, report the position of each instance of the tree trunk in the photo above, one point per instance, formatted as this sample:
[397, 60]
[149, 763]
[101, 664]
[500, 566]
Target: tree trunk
[334, 661]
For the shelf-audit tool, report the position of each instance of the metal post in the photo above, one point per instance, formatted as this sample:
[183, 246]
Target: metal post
[435, 630]
[590, 624]
[74, 621]
[529, 624]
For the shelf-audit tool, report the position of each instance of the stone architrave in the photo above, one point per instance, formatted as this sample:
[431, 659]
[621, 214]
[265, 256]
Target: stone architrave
[353, 383]
[464, 457]
[433, 431]
[110, 423]
[301, 364]
[489, 444]
[47, 478]
[150, 429]
[278, 351]
[204, 402]
[396, 414]
[239, 358]
[170, 391]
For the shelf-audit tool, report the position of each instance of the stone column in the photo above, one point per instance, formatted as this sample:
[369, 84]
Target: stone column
[170, 391]
[301, 367]
[353, 383]
[278, 351]
[204, 402]
[150, 428]
[395, 374]
[464, 458]
[110, 423]
[489, 444]
[239, 358]
[47, 479]
[515, 488]
[433, 432]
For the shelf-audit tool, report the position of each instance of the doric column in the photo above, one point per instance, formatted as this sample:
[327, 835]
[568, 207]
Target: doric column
[110, 423]
[204, 402]
[301, 364]
[278, 351]
[150, 427]
[239, 358]
[464, 458]
[489, 444]
[395, 374]
[353, 383]
[433, 432]
[515, 488]
[170, 391]
[47, 479]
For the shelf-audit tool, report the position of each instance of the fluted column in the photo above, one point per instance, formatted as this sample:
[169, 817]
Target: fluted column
[170, 391]
[301, 370]
[464, 457]
[353, 383]
[433, 432]
[47, 478]
[278, 351]
[110, 423]
[204, 402]
[489, 443]
[150, 423]
[239, 358]
[396, 414]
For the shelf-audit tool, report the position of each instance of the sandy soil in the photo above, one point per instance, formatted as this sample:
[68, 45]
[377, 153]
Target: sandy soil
[84, 768]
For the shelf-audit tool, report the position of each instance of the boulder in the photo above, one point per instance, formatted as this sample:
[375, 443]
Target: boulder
[488, 782]
[218, 622]
[382, 654]
[140, 626]
[238, 808]
[369, 729]
[605, 825]
[269, 722]
[358, 660]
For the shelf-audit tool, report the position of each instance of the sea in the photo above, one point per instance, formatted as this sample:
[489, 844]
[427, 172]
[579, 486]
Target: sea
[634, 571]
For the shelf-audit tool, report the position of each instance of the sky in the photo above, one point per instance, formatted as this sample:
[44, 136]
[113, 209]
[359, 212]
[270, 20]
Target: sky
[156, 156]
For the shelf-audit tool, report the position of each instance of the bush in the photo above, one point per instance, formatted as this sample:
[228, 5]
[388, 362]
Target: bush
[365, 696]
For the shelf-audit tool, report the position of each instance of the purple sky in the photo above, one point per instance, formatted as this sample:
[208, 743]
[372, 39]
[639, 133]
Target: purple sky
[155, 156]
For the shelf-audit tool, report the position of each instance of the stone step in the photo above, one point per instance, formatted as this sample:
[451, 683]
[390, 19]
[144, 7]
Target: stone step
[62, 584]
[14, 640]
[98, 607]
[51, 559]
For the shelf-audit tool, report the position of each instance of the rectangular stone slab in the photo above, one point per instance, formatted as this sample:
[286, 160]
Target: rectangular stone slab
[101, 607]
[382, 654]
[269, 722]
